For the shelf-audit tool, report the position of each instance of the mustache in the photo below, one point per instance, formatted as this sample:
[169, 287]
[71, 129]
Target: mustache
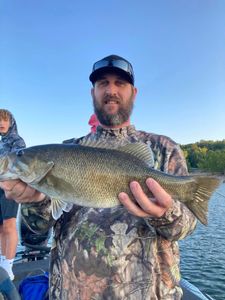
[110, 98]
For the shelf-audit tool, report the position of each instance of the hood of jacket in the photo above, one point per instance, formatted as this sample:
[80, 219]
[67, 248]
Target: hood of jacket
[11, 140]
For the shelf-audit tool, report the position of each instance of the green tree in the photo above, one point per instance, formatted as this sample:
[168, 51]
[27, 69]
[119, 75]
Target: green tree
[214, 161]
[200, 155]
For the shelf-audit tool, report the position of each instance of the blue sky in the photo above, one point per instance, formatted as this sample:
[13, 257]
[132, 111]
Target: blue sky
[177, 48]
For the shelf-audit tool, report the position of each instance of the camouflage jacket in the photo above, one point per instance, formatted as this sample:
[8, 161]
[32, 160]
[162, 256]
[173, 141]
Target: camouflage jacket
[112, 255]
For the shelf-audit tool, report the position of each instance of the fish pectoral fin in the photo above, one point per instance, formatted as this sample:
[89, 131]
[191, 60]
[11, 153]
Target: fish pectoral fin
[68, 207]
[205, 186]
[58, 206]
[38, 173]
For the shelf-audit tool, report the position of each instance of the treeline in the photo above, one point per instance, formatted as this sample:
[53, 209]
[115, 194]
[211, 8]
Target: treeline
[206, 156]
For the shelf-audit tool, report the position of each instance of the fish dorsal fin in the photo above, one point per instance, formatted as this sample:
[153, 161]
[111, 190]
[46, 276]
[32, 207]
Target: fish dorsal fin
[140, 150]
[95, 144]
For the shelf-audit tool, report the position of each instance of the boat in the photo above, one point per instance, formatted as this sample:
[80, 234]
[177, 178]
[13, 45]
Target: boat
[38, 266]
[191, 292]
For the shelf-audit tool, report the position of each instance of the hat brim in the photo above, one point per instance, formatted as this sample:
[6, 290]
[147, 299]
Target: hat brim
[97, 74]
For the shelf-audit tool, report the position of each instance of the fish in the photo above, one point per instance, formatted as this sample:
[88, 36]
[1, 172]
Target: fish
[92, 175]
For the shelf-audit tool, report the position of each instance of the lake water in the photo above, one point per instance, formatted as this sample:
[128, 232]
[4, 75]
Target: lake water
[203, 252]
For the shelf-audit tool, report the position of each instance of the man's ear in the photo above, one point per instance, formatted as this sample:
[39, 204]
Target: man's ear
[135, 92]
[92, 92]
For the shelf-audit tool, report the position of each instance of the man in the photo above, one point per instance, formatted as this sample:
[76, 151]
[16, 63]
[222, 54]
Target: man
[129, 251]
[10, 141]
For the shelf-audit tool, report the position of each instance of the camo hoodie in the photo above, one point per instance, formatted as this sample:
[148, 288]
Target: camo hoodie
[109, 254]
[11, 140]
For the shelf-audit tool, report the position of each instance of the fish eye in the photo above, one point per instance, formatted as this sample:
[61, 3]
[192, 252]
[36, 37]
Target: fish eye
[20, 152]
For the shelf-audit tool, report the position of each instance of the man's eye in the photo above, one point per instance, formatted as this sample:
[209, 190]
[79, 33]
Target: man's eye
[121, 82]
[102, 83]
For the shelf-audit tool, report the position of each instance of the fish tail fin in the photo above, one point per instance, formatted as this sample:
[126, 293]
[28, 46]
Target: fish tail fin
[204, 188]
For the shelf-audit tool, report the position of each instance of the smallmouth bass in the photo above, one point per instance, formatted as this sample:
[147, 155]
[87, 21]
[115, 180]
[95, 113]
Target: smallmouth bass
[93, 176]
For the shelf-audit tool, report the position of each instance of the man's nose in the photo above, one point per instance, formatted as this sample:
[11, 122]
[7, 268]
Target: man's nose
[111, 89]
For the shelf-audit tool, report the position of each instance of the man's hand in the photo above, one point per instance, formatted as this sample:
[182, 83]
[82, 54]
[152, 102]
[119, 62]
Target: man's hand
[145, 207]
[20, 191]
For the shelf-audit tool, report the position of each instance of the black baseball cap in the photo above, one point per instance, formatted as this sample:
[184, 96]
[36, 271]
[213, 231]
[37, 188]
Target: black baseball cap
[112, 63]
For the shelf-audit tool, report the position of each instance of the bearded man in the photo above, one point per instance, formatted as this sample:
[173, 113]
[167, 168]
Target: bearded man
[129, 251]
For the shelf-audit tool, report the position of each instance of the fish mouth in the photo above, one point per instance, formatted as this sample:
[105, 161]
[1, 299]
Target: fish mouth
[4, 166]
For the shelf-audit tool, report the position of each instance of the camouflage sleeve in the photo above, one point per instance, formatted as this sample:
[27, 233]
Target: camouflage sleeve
[37, 215]
[178, 221]
[177, 163]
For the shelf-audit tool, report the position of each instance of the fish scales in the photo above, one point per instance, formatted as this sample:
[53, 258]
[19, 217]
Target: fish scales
[94, 176]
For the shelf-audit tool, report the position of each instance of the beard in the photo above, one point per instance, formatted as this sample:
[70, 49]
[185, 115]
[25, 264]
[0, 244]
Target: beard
[122, 115]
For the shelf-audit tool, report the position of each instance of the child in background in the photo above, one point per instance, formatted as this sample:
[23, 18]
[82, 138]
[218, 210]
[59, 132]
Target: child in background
[10, 141]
